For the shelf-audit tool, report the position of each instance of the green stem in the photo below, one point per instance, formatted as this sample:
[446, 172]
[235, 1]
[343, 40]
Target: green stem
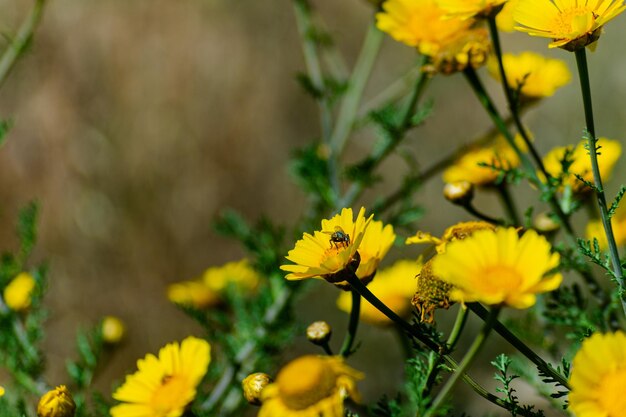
[583, 74]
[469, 207]
[21, 40]
[503, 331]
[353, 324]
[508, 204]
[469, 357]
[457, 328]
[327, 348]
[356, 85]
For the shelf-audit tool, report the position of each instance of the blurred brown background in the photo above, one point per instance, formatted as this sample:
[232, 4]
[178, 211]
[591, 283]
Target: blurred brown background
[137, 121]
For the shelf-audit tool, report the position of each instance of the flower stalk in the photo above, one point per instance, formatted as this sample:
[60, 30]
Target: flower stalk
[353, 324]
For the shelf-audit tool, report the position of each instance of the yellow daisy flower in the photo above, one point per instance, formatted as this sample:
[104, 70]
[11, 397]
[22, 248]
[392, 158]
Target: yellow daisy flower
[18, 294]
[310, 386]
[394, 286]
[618, 221]
[419, 23]
[164, 385]
[571, 24]
[466, 9]
[327, 252]
[455, 232]
[377, 241]
[599, 377]
[466, 168]
[533, 75]
[504, 19]
[470, 48]
[607, 158]
[499, 267]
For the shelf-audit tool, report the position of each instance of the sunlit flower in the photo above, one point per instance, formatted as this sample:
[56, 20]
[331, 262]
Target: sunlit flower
[432, 293]
[18, 294]
[618, 221]
[571, 24]
[419, 23]
[113, 329]
[599, 376]
[608, 155]
[329, 251]
[394, 286]
[499, 267]
[455, 232]
[533, 75]
[504, 19]
[57, 402]
[310, 386]
[164, 385]
[469, 166]
[471, 8]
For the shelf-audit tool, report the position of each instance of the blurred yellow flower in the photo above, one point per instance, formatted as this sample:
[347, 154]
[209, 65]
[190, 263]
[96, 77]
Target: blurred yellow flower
[113, 329]
[471, 8]
[618, 221]
[607, 157]
[504, 19]
[455, 232]
[1, 391]
[164, 385]
[18, 294]
[599, 376]
[469, 49]
[394, 286]
[571, 24]
[499, 154]
[327, 252]
[207, 291]
[310, 386]
[57, 402]
[499, 267]
[419, 23]
[533, 75]
[377, 241]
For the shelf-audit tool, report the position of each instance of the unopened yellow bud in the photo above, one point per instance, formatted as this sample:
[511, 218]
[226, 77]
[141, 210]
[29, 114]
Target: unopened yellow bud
[459, 193]
[319, 332]
[545, 224]
[112, 329]
[253, 385]
[56, 403]
[18, 294]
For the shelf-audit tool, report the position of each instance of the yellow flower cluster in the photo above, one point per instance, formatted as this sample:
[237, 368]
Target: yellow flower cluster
[164, 385]
[310, 386]
[609, 153]
[207, 290]
[394, 286]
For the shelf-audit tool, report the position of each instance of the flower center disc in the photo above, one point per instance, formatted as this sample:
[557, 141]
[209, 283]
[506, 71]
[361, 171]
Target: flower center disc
[573, 22]
[612, 395]
[505, 276]
[305, 381]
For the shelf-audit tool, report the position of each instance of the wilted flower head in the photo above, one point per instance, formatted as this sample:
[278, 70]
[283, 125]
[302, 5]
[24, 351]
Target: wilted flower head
[310, 386]
[394, 286]
[164, 385]
[571, 24]
[499, 267]
[18, 294]
[609, 153]
[599, 376]
[532, 75]
[329, 251]
[432, 293]
[56, 403]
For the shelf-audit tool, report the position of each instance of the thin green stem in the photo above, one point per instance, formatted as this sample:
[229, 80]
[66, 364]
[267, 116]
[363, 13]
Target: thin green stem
[508, 204]
[457, 328]
[583, 74]
[469, 207]
[469, 357]
[21, 40]
[503, 331]
[353, 325]
[327, 348]
[356, 86]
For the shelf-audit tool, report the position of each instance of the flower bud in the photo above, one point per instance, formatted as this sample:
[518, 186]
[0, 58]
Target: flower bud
[319, 333]
[545, 224]
[112, 329]
[56, 403]
[460, 193]
[253, 385]
[18, 294]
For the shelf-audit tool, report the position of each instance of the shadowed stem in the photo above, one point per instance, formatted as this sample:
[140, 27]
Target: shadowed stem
[583, 74]
[469, 357]
[353, 324]
[509, 205]
[21, 40]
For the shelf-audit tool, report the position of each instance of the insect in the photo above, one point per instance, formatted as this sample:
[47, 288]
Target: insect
[339, 237]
